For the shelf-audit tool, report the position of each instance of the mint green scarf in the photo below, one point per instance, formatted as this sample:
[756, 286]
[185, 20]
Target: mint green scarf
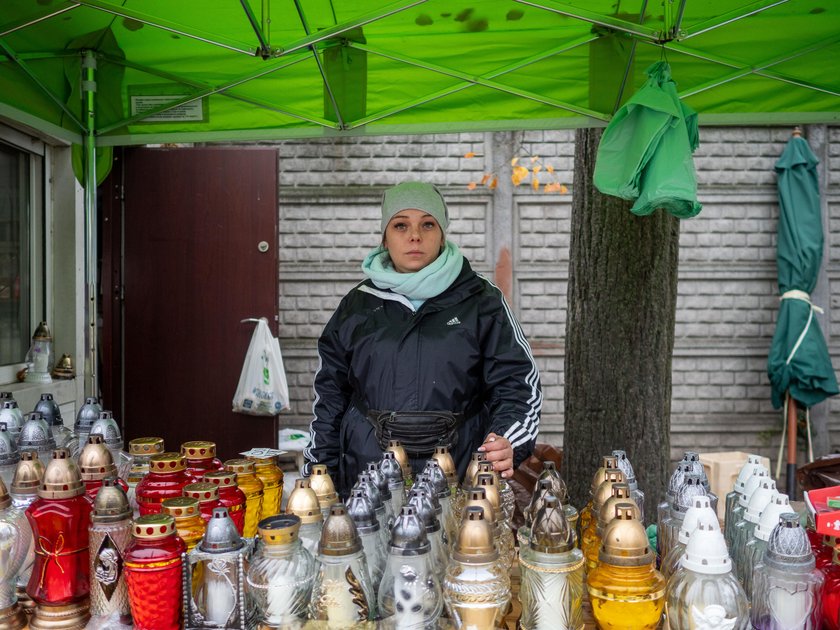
[430, 281]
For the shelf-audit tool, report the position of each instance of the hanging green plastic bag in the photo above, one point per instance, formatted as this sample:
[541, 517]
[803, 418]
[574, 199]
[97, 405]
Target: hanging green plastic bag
[646, 151]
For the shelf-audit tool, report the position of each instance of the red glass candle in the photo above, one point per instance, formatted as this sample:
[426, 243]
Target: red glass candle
[207, 495]
[60, 517]
[166, 480]
[201, 458]
[230, 496]
[831, 595]
[824, 551]
[153, 572]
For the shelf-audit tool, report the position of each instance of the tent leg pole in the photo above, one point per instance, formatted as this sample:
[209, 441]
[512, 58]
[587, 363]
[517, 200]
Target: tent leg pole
[791, 448]
[89, 110]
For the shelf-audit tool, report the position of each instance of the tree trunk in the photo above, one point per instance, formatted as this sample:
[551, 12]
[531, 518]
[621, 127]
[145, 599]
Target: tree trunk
[619, 334]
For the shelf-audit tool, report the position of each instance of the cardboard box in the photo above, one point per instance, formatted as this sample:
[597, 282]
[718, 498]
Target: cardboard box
[826, 519]
[722, 469]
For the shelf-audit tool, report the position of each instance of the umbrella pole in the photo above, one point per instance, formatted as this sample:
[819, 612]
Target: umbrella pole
[791, 447]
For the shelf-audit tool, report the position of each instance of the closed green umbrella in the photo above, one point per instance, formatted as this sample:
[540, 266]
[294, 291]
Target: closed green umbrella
[645, 151]
[799, 363]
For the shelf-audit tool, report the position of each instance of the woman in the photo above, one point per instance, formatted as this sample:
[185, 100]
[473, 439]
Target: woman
[425, 351]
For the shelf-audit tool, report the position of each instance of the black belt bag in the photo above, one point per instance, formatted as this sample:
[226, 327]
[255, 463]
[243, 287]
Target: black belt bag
[419, 431]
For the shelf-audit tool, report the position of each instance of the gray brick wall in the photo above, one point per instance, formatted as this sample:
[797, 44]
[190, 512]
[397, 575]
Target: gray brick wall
[727, 302]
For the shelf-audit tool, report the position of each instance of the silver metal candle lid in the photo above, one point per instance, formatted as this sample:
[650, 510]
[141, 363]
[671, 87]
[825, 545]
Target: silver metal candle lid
[438, 479]
[12, 416]
[379, 479]
[49, 410]
[408, 535]
[9, 454]
[788, 547]
[421, 501]
[107, 427]
[390, 467]
[360, 509]
[36, 434]
[221, 535]
[88, 414]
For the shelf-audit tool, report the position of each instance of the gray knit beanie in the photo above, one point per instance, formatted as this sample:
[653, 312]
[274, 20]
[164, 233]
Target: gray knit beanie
[414, 195]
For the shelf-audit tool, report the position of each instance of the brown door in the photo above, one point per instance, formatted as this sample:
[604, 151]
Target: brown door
[195, 223]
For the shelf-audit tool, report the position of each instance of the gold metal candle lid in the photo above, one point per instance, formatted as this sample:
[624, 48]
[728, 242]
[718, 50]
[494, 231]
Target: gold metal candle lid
[203, 491]
[322, 484]
[146, 446]
[396, 447]
[491, 488]
[604, 491]
[62, 478]
[478, 497]
[281, 529]
[303, 502]
[180, 507]
[111, 504]
[96, 461]
[472, 469]
[168, 462]
[475, 539]
[28, 474]
[625, 542]
[446, 463]
[153, 526]
[608, 463]
[485, 467]
[620, 494]
[222, 478]
[339, 536]
[198, 450]
[5, 498]
[240, 466]
[550, 532]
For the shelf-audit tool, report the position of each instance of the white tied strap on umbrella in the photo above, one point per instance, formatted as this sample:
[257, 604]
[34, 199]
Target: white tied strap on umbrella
[796, 294]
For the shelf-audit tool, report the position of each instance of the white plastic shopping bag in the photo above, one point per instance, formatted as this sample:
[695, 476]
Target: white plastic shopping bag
[262, 389]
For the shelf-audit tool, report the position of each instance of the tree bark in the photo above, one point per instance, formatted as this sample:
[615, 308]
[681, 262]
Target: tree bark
[619, 334]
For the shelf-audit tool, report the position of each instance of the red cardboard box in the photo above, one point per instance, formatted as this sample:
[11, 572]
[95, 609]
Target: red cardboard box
[827, 519]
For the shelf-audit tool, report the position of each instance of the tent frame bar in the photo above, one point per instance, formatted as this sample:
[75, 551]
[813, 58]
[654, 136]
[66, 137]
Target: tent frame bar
[729, 18]
[8, 30]
[89, 106]
[555, 6]
[264, 50]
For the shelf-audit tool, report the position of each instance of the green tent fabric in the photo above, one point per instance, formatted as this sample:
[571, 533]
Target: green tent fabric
[645, 152]
[799, 359]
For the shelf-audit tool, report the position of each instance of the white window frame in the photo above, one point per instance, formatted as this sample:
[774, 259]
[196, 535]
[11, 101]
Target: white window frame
[39, 216]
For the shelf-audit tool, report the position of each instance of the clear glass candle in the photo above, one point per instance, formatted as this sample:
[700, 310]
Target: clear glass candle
[15, 539]
[218, 565]
[476, 590]
[280, 574]
[787, 587]
[551, 591]
[392, 471]
[744, 529]
[701, 508]
[360, 509]
[753, 481]
[753, 462]
[342, 593]
[409, 596]
[705, 593]
[755, 547]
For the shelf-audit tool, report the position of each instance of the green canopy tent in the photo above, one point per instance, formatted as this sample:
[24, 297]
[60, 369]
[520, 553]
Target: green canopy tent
[160, 71]
[798, 364]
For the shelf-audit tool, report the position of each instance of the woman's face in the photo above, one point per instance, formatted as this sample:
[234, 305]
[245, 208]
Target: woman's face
[413, 239]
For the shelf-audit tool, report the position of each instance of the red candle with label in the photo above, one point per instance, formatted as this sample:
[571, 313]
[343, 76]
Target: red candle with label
[166, 480]
[59, 518]
[201, 458]
[207, 495]
[230, 496]
[153, 571]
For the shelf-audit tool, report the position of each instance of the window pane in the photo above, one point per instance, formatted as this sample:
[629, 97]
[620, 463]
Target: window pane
[15, 257]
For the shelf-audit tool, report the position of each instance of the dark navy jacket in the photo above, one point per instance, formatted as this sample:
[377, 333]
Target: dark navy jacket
[460, 351]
